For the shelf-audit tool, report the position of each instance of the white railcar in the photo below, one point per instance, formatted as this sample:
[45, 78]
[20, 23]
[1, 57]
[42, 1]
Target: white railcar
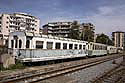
[29, 47]
[112, 49]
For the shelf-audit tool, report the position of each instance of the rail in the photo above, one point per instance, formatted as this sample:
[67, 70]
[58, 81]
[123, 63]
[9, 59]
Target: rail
[34, 76]
[115, 75]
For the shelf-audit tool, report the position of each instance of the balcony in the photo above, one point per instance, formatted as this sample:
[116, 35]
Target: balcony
[60, 28]
[59, 32]
[50, 32]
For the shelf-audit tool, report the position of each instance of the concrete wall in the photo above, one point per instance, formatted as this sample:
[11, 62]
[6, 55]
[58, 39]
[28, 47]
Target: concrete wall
[1, 42]
[7, 60]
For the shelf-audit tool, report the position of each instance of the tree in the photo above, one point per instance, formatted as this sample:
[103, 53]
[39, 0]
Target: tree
[74, 32]
[104, 39]
[88, 36]
[88, 32]
[81, 35]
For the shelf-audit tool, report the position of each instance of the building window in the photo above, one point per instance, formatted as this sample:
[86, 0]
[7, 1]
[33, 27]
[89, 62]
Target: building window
[11, 17]
[70, 46]
[6, 26]
[49, 45]
[58, 45]
[16, 42]
[76, 46]
[6, 42]
[27, 43]
[12, 43]
[80, 46]
[20, 43]
[39, 44]
[7, 22]
[64, 45]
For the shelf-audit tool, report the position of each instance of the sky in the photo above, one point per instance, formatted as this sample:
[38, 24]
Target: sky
[106, 15]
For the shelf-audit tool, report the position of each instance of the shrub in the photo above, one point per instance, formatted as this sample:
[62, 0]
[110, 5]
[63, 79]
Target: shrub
[18, 65]
[1, 67]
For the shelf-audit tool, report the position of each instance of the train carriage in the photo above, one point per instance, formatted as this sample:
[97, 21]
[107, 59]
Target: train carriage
[29, 47]
[112, 49]
[96, 49]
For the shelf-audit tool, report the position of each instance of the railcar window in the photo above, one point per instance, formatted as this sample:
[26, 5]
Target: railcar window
[58, 45]
[93, 47]
[80, 46]
[20, 43]
[64, 45]
[49, 45]
[16, 42]
[105, 48]
[12, 43]
[39, 44]
[84, 47]
[76, 46]
[97, 47]
[100, 48]
[70, 46]
[27, 43]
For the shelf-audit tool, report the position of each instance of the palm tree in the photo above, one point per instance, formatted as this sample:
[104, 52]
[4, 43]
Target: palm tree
[74, 32]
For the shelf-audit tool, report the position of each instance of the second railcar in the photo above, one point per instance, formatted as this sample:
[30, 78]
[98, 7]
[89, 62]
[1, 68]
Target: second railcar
[96, 49]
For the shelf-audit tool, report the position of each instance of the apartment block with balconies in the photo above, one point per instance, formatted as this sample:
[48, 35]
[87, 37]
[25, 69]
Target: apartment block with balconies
[18, 22]
[61, 29]
[119, 39]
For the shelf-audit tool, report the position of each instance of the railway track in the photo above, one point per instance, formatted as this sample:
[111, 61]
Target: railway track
[115, 75]
[35, 76]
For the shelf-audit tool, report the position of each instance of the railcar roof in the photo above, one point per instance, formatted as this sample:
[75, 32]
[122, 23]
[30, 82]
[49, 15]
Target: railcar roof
[24, 33]
[98, 43]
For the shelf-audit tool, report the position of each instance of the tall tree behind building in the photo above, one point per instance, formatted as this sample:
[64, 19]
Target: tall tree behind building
[88, 32]
[74, 32]
[104, 39]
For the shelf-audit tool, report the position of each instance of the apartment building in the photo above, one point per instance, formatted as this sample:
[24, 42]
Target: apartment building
[61, 29]
[119, 39]
[17, 22]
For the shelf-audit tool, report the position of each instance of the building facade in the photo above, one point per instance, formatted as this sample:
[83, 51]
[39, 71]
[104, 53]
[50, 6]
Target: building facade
[61, 29]
[18, 22]
[119, 39]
